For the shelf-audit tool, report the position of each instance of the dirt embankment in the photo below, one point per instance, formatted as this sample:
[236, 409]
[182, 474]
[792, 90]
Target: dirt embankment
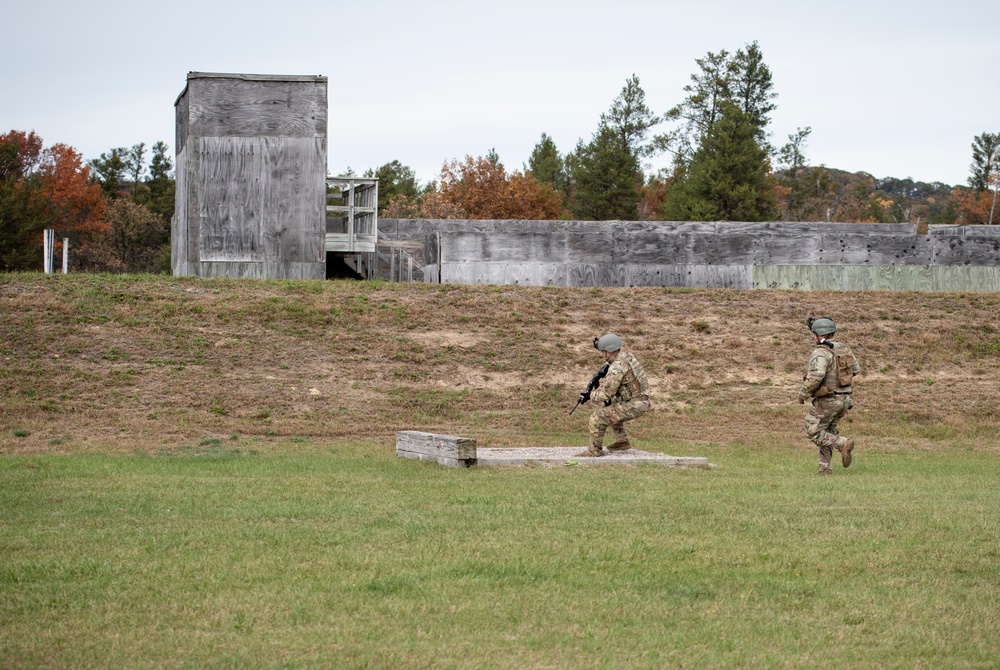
[104, 363]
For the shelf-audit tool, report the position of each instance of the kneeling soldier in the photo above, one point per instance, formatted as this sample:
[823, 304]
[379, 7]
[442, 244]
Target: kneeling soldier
[623, 395]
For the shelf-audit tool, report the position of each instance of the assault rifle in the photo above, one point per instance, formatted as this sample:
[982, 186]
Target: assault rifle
[595, 382]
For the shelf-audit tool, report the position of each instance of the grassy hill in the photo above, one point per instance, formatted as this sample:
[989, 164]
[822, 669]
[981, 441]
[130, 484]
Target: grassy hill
[123, 364]
[200, 473]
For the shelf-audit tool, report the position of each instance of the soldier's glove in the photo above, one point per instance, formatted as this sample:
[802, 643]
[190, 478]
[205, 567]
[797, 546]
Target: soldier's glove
[802, 399]
[584, 397]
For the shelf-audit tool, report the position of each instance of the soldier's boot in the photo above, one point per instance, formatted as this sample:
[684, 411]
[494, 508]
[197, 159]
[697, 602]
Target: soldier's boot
[594, 451]
[845, 452]
[590, 453]
[620, 445]
[825, 468]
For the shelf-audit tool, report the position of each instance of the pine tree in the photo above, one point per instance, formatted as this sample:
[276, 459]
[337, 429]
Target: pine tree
[794, 175]
[741, 79]
[547, 165]
[111, 171]
[979, 204]
[697, 113]
[605, 179]
[630, 118]
[160, 183]
[985, 161]
[395, 181]
[751, 89]
[728, 177]
[135, 165]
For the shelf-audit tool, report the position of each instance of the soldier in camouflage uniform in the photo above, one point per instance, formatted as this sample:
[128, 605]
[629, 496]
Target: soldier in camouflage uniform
[623, 394]
[828, 385]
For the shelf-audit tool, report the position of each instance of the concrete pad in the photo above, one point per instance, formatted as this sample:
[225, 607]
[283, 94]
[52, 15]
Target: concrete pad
[553, 456]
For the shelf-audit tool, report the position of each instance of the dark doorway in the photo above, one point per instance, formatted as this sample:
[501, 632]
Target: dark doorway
[337, 267]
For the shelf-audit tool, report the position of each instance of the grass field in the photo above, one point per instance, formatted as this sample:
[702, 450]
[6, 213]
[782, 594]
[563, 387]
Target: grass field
[200, 473]
[356, 559]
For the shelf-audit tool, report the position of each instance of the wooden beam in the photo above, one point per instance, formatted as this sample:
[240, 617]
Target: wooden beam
[401, 244]
[448, 450]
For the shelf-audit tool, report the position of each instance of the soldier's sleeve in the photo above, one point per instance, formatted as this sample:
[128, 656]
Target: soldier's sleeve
[610, 383]
[817, 371]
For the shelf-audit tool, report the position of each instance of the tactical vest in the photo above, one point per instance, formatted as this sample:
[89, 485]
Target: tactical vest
[839, 369]
[634, 382]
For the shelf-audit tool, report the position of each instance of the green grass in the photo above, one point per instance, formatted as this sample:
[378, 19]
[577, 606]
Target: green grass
[357, 559]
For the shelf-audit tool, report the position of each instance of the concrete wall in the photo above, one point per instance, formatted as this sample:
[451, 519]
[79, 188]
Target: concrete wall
[822, 256]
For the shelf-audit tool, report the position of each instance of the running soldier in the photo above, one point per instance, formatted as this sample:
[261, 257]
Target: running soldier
[828, 384]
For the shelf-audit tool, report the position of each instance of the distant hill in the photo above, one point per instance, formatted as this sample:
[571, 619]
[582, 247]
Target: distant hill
[820, 193]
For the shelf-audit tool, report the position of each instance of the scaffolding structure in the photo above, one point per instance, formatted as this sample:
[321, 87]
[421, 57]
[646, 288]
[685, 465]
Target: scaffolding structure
[352, 222]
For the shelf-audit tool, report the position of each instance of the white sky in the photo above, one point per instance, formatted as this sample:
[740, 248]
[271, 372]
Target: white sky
[891, 88]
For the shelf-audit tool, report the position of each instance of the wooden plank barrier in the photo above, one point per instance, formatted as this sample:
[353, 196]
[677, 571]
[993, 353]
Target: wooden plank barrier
[704, 254]
[457, 452]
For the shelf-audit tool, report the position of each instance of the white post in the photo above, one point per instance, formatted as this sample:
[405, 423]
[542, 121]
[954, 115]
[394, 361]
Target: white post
[351, 233]
[65, 255]
[48, 244]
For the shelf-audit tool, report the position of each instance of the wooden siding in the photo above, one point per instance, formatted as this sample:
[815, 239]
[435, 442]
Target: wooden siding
[180, 251]
[255, 270]
[251, 177]
[597, 274]
[256, 106]
[968, 278]
[242, 215]
[829, 256]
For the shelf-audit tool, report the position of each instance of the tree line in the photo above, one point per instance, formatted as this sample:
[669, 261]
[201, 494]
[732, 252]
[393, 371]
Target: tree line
[116, 209]
[723, 167]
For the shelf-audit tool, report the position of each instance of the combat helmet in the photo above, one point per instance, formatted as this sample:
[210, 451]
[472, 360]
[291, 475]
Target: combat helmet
[822, 326]
[609, 343]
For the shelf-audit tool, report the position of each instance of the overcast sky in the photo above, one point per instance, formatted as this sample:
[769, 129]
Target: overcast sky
[896, 89]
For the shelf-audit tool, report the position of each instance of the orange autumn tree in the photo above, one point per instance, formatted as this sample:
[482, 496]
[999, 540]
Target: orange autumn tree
[976, 207]
[78, 202]
[40, 189]
[978, 203]
[23, 211]
[481, 188]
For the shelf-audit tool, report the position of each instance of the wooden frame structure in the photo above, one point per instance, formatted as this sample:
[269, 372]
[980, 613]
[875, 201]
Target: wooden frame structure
[352, 222]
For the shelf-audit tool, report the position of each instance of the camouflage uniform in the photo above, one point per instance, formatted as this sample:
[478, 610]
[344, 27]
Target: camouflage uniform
[626, 387]
[827, 410]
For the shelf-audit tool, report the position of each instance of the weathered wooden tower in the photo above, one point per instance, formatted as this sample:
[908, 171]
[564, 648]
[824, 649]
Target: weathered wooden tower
[251, 177]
